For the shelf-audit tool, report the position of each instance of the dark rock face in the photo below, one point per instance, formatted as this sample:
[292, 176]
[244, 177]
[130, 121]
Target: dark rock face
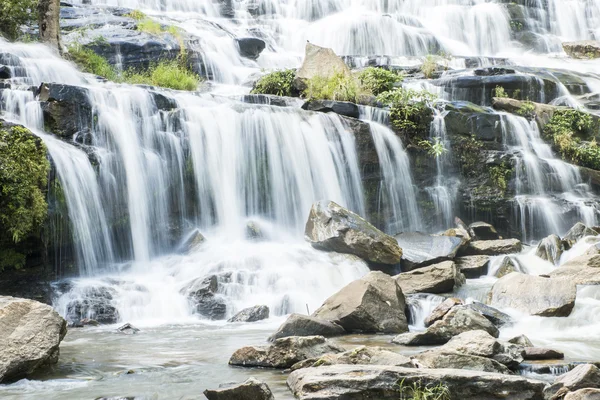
[344, 108]
[420, 250]
[356, 382]
[203, 293]
[374, 303]
[67, 109]
[540, 353]
[584, 49]
[483, 231]
[251, 47]
[304, 325]
[251, 389]
[96, 304]
[251, 314]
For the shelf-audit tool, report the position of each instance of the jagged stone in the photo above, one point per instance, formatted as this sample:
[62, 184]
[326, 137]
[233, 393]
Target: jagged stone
[251, 314]
[304, 325]
[483, 231]
[473, 267]
[441, 310]
[421, 250]
[319, 61]
[576, 233]
[550, 249]
[439, 278]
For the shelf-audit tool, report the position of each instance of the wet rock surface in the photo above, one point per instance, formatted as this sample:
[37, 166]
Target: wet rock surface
[420, 250]
[251, 389]
[251, 314]
[304, 325]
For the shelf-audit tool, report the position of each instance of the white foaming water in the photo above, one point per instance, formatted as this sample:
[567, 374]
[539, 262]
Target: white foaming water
[419, 307]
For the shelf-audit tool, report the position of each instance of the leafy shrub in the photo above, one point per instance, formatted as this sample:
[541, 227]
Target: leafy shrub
[500, 175]
[340, 87]
[150, 26]
[409, 109]
[279, 83]
[137, 15]
[527, 110]
[14, 14]
[429, 66]
[500, 92]
[168, 74]
[378, 80]
[434, 148]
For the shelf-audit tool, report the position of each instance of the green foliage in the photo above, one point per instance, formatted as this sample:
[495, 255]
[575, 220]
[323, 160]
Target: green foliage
[378, 80]
[136, 14]
[430, 65]
[23, 177]
[417, 391]
[14, 14]
[340, 87]
[500, 175]
[410, 110]
[434, 148]
[150, 26]
[565, 129]
[527, 109]
[469, 154]
[279, 83]
[168, 74]
[91, 62]
[500, 92]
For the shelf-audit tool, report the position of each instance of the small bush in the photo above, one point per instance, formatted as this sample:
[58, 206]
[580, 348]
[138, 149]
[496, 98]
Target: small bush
[527, 110]
[500, 92]
[500, 176]
[150, 26]
[434, 148]
[378, 80]
[279, 83]
[417, 391]
[168, 74]
[137, 15]
[410, 110]
[429, 66]
[340, 87]
[14, 14]
[91, 62]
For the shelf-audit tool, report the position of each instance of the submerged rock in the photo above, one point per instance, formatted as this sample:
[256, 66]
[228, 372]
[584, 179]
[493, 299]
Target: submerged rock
[251, 314]
[381, 382]
[331, 227]
[253, 231]
[458, 320]
[535, 295]
[251, 389]
[94, 303]
[194, 242]
[494, 247]
[203, 293]
[30, 335]
[128, 329]
[439, 278]
[420, 250]
[374, 303]
[284, 352]
[304, 325]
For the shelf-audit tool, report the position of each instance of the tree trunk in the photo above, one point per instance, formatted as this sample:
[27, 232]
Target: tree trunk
[49, 15]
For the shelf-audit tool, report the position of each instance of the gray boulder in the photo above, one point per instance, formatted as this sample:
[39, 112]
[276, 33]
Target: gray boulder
[357, 382]
[441, 310]
[362, 355]
[584, 394]
[331, 227]
[30, 335]
[577, 232]
[304, 325]
[582, 376]
[374, 303]
[203, 293]
[420, 250]
[535, 295]
[284, 352]
[251, 389]
[458, 320]
[251, 314]
[473, 267]
[193, 242]
[550, 249]
[439, 358]
[521, 340]
[494, 247]
[483, 231]
[540, 353]
[496, 317]
[319, 62]
[250, 47]
[582, 270]
[439, 278]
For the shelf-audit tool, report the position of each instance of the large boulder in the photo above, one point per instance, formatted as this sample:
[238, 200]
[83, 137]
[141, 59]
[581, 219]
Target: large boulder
[534, 295]
[581, 377]
[94, 303]
[439, 278]
[458, 320]
[483, 231]
[374, 303]
[584, 49]
[550, 249]
[284, 352]
[439, 358]
[339, 107]
[250, 47]
[251, 389]
[494, 247]
[577, 232]
[472, 267]
[319, 62]
[305, 325]
[582, 270]
[584, 394]
[441, 310]
[66, 109]
[361, 355]
[30, 334]
[251, 314]
[204, 294]
[493, 315]
[420, 250]
[331, 227]
[357, 382]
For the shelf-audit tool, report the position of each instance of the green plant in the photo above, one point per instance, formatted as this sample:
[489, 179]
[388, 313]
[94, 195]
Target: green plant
[429, 66]
[23, 176]
[527, 109]
[500, 92]
[91, 62]
[416, 391]
[500, 175]
[14, 14]
[279, 83]
[378, 80]
[410, 110]
[434, 148]
[150, 26]
[136, 14]
[340, 87]
[168, 74]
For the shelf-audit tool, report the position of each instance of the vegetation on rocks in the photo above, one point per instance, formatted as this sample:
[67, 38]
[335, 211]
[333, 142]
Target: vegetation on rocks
[565, 129]
[279, 83]
[14, 14]
[378, 80]
[417, 391]
[91, 62]
[433, 147]
[500, 175]
[23, 178]
[339, 87]
[410, 110]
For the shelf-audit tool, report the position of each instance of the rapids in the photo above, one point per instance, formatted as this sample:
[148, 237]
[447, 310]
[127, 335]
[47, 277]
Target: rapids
[215, 163]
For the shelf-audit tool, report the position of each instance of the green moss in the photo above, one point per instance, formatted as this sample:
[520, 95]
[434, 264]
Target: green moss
[469, 156]
[91, 62]
[565, 129]
[279, 83]
[378, 80]
[136, 14]
[339, 87]
[168, 74]
[150, 26]
[500, 176]
[410, 110]
[500, 92]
